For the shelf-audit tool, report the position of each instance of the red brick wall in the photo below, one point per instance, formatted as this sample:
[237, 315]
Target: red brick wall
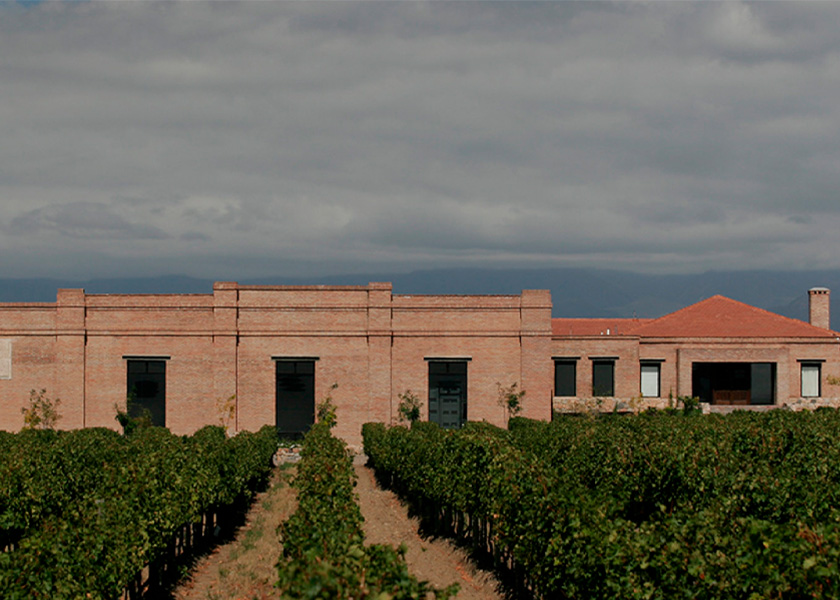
[31, 327]
[624, 350]
[372, 344]
[819, 307]
[177, 326]
[678, 355]
[536, 368]
[496, 334]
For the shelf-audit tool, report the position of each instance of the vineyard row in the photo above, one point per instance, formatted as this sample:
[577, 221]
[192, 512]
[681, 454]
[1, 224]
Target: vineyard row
[84, 513]
[324, 554]
[653, 506]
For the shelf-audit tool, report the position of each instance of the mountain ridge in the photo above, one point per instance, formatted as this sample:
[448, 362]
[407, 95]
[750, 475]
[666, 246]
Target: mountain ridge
[575, 292]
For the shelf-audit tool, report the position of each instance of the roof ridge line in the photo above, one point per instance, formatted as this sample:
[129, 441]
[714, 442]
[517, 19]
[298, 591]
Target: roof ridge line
[768, 313]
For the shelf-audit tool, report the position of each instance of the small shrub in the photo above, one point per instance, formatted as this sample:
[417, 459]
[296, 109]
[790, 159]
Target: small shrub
[510, 398]
[42, 412]
[129, 423]
[409, 407]
[690, 405]
[326, 409]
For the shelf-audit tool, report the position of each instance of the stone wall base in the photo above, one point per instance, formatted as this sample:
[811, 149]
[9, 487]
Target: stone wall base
[637, 405]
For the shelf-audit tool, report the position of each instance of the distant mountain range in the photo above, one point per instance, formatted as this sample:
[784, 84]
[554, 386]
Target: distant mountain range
[575, 292]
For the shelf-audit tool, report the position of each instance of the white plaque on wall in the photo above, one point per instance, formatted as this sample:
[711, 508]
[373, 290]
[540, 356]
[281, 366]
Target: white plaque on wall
[5, 359]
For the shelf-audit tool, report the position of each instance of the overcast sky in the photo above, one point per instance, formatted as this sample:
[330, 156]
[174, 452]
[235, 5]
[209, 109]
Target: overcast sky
[236, 140]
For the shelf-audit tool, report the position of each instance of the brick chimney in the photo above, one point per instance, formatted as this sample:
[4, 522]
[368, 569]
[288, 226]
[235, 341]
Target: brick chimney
[819, 307]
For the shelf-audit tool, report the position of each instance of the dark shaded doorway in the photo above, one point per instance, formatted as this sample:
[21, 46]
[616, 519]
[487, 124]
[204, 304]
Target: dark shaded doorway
[448, 393]
[737, 384]
[295, 398]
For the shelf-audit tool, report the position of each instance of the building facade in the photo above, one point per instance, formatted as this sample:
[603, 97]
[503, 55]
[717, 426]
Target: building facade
[246, 356]
[723, 352]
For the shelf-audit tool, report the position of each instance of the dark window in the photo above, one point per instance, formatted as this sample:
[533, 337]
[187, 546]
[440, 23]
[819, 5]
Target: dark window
[762, 383]
[603, 379]
[565, 378]
[146, 390]
[448, 393]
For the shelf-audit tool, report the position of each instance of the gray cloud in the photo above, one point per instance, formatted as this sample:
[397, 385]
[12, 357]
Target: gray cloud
[87, 220]
[242, 139]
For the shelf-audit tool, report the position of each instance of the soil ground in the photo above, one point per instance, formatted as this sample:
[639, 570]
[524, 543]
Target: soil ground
[244, 569]
[435, 560]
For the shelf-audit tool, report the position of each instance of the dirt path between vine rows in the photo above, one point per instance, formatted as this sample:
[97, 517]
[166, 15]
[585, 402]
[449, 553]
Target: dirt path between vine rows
[436, 560]
[244, 569]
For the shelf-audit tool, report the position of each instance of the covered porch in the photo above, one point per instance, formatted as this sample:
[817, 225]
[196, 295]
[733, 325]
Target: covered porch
[734, 383]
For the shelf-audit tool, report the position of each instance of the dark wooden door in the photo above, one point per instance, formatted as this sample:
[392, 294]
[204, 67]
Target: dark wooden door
[295, 401]
[448, 394]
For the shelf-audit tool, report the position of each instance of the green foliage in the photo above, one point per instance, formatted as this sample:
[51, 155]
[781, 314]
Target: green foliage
[324, 556]
[129, 423]
[409, 407]
[89, 508]
[510, 398]
[326, 410]
[690, 404]
[42, 412]
[648, 506]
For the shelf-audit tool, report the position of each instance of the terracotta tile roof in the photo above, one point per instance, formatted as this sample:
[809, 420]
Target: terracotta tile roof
[573, 327]
[719, 317]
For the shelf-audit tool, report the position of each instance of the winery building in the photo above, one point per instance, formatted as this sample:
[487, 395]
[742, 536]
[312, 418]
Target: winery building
[246, 356]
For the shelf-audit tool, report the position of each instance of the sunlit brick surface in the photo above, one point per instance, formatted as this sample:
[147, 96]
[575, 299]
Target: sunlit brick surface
[375, 346]
[372, 344]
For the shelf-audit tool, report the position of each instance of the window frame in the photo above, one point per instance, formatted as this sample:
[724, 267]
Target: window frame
[567, 362]
[131, 371]
[440, 367]
[657, 364]
[597, 364]
[299, 409]
[813, 366]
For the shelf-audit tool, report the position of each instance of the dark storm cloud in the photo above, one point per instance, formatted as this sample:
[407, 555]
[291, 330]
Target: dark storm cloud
[232, 140]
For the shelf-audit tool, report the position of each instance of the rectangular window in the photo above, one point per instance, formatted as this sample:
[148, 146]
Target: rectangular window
[650, 380]
[810, 380]
[565, 378]
[762, 383]
[146, 390]
[603, 377]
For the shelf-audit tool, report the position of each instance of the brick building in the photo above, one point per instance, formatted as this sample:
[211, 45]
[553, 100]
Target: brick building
[255, 355]
[271, 353]
[726, 353]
